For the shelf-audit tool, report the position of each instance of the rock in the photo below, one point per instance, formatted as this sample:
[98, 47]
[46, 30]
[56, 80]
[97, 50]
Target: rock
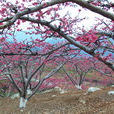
[21, 110]
[15, 96]
[110, 92]
[53, 95]
[58, 89]
[62, 92]
[93, 89]
[47, 91]
[82, 101]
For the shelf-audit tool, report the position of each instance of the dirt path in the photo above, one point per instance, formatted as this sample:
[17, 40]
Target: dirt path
[72, 102]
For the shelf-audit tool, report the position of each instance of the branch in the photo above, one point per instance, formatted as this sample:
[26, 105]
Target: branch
[45, 78]
[94, 8]
[109, 34]
[82, 3]
[69, 39]
[70, 77]
[109, 75]
[28, 11]
[34, 53]
[13, 82]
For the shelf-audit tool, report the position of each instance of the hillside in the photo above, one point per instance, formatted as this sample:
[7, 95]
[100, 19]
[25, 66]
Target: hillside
[71, 102]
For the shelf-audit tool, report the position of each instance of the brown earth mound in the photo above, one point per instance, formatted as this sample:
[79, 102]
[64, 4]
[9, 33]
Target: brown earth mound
[72, 102]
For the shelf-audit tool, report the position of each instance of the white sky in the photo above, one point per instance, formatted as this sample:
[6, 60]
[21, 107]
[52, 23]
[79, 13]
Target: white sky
[88, 23]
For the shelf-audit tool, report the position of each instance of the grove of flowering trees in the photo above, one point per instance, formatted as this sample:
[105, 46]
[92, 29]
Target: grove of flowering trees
[82, 66]
[22, 63]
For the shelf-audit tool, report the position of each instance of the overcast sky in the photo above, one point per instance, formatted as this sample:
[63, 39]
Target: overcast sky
[73, 11]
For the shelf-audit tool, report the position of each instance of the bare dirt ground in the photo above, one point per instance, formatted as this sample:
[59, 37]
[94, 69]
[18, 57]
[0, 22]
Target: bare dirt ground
[71, 102]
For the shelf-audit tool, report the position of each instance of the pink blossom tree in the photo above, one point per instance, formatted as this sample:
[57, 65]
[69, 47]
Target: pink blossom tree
[80, 67]
[45, 18]
[23, 65]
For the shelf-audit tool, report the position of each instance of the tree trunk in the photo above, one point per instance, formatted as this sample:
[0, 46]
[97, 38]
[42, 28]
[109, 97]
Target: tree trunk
[23, 102]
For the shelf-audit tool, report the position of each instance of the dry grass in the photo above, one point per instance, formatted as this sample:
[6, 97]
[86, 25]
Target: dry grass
[72, 102]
